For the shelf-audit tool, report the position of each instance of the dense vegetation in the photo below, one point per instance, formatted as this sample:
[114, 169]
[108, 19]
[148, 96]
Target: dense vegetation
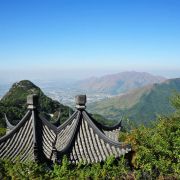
[155, 155]
[14, 103]
[142, 105]
[111, 168]
[103, 120]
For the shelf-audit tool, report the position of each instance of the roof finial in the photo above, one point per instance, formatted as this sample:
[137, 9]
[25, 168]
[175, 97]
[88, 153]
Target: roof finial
[32, 101]
[80, 102]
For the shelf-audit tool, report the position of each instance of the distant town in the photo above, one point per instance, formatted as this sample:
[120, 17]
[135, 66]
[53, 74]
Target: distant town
[64, 95]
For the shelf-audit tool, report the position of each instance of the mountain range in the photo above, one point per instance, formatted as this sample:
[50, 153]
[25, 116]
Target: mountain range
[137, 96]
[140, 105]
[119, 83]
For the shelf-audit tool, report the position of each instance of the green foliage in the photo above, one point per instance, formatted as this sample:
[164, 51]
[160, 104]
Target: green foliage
[14, 103]
[156, 152]
[28, 170]
[2, 131]
[157, 148]
[175, 101]
[103, 120]
[110, 169]
[61, 171]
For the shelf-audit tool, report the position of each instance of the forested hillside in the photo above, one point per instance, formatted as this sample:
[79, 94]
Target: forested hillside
[141, 105]
[14, 103]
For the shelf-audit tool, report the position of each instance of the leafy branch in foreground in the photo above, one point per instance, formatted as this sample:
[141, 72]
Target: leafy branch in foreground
[156, 151]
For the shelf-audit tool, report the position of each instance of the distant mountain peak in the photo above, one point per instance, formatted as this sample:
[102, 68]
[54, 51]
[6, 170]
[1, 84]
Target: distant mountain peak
[21, 88]
[16, 97]
[119, 82]
[25, 84]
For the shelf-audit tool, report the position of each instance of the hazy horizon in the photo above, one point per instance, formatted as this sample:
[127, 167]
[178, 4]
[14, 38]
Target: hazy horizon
[49, 40]
[66, 79]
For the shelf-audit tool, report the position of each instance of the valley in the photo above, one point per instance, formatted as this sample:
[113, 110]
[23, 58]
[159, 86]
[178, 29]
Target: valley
[138, 104]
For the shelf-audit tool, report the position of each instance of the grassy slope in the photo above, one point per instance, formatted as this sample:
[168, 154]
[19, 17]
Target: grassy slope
[113, 107]
[140, 105]
[157, 102]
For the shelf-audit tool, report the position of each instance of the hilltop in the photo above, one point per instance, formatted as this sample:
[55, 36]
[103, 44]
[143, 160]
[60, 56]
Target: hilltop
[119, 83]
[14, 102]
[141, 105]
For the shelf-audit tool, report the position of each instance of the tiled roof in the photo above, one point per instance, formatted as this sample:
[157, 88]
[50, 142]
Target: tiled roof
[80, 138]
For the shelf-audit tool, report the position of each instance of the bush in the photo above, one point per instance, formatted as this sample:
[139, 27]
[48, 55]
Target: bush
[157, 148]
[27, 170]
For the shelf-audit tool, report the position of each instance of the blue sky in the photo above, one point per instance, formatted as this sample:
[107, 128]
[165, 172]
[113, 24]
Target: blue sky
[77, 38]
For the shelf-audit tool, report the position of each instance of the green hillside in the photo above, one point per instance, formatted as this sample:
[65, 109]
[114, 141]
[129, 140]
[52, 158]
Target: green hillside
[122, 102]
[14, 102]
[141, 105]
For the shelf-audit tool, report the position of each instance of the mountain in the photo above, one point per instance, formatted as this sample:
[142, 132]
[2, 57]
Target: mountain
[119, 83]
[14, 102]
[141, 105]
[15, 107]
